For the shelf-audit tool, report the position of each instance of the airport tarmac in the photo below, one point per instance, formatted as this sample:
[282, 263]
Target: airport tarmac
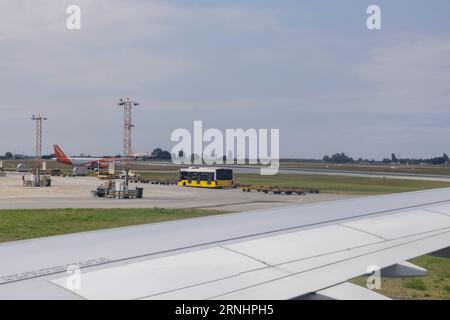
[67, 192]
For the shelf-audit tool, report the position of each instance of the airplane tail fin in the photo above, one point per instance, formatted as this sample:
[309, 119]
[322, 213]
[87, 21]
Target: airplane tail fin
[60, 156]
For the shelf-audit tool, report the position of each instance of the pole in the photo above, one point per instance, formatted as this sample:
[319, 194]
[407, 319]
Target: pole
[127, 126]
[38, 119]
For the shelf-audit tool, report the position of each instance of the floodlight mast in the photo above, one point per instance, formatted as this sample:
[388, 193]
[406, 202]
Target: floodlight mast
[39, 120]
[127, 127]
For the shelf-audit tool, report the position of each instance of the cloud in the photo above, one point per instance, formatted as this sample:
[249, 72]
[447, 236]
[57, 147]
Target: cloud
[133, 44]
[409, 76]
[144, 50]
[231, 65]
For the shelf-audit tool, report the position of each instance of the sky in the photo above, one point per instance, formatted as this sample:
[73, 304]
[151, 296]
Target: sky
[309, 68]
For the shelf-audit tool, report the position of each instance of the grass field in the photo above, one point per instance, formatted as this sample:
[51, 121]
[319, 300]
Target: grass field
[29, 224]
[379, 168]
[158, 175]
[436, 285]
[342, 184]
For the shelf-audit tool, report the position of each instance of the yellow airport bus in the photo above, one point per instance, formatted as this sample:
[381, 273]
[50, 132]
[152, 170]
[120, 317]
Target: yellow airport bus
[205, 177]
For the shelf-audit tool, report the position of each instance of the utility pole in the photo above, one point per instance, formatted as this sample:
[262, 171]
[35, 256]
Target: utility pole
[127, 126]
[38, 119]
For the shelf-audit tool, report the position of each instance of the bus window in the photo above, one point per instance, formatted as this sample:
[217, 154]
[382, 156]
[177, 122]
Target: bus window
[224, 174]
[183, 175]
[208, 176]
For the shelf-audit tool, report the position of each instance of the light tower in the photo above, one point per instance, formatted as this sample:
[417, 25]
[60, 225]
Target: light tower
[127, 126]
[38, 119]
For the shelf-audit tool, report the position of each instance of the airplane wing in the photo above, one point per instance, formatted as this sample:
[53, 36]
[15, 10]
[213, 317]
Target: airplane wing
[308, 251]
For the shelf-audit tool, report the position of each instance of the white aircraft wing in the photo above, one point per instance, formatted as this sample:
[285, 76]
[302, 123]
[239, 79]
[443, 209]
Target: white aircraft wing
[306, 252]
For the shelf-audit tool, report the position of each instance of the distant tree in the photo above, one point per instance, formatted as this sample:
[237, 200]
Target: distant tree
[439, 160]
[338, 158]
[8, 155]
[166, 155]
[341, 158]
[159, 153]
[181, 154]
[386, 161]
[394, 158]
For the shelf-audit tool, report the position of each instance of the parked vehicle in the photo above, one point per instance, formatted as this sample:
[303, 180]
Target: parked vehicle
[22, 168]
[81, 171]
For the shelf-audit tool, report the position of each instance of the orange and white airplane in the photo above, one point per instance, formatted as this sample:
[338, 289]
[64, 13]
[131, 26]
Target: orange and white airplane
[101, 163]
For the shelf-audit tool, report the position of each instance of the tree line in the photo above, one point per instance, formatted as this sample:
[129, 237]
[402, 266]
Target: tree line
[344, 158]
[160, 154]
